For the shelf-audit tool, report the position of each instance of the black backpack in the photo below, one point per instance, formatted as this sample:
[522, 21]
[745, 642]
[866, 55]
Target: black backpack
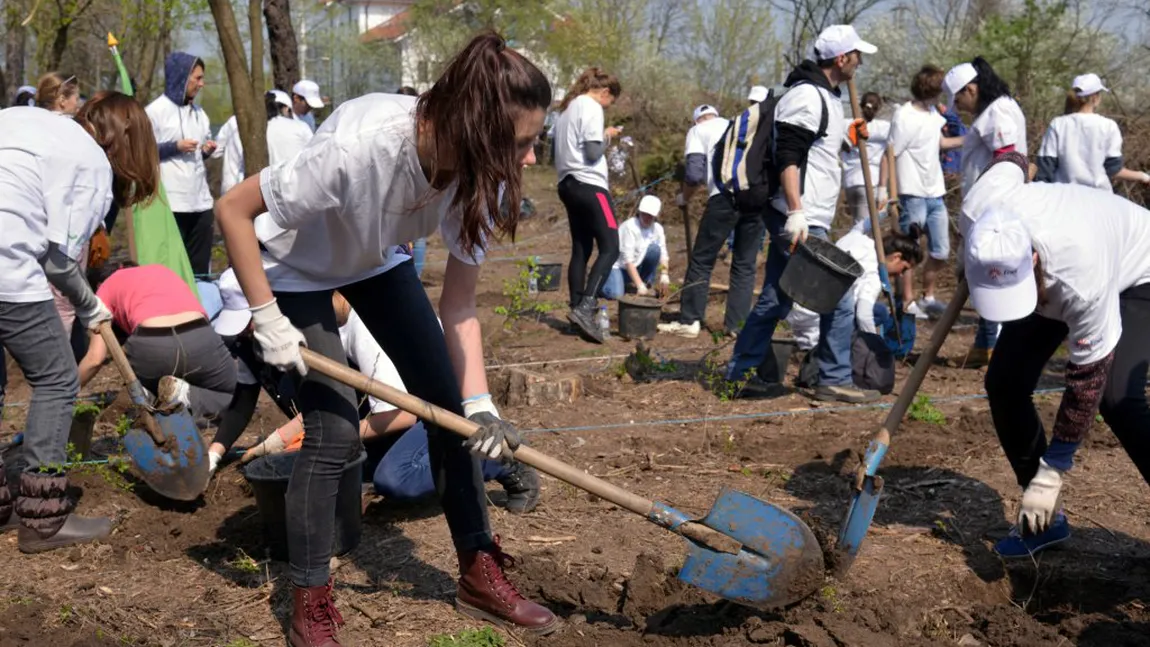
[742, 164]
[872, 365]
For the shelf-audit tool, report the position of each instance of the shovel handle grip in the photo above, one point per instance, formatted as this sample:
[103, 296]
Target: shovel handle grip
[126, 372]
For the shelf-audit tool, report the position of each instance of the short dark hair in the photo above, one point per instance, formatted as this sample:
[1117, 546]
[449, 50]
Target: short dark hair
[408, 90]
[927, 83]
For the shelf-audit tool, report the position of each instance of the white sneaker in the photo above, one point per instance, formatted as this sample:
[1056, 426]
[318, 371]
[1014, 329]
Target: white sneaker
[690, 331]
[914, 309]
[933, 307]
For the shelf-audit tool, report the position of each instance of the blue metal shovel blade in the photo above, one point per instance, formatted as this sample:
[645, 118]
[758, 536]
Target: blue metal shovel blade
[780, 563]
[860, 514]
[177, 469]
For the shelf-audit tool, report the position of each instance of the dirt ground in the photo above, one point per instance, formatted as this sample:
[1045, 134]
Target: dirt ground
[199, 574]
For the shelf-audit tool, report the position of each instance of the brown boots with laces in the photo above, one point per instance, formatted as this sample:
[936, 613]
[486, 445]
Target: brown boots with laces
[314, 618]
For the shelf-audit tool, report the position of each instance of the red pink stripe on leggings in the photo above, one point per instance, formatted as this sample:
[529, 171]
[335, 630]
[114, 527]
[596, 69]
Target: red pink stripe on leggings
[605, 205]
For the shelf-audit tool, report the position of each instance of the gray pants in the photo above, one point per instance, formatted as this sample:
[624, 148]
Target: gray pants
[34, 335]
[192, 352]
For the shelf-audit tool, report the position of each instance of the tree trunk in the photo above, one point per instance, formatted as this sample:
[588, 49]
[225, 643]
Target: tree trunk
[59, 45]
[14, 46]
[251, 117]
[282, 44]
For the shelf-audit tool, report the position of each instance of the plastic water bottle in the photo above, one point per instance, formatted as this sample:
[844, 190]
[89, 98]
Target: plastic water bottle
[533, 284]
[604, 322]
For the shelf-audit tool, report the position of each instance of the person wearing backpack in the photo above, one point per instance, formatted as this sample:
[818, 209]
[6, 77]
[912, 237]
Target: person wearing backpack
[803, 177]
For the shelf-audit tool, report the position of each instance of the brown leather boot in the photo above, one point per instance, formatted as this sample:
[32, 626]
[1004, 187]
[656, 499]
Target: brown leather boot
[485, 593]
[46, 517]
[314, 618]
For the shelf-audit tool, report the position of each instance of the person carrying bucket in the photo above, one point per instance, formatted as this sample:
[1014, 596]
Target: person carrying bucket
[642, 254]
[383, 170]
[58, 178]
[1031, 264]
[1081, 146]
[999, 127]
[580, 143]
[804, 206]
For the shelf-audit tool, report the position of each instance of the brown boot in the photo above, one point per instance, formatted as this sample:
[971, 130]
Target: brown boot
[46, 518]
[485, 593]
[314, 618]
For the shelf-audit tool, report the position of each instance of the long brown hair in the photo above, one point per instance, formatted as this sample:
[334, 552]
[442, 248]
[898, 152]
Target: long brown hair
[120, 126]
[1074, 103]
[472, 112]
[592, 78]
[54, 86]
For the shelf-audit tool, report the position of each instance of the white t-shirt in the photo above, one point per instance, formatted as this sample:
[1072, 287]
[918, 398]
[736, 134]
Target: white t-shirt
[184, 175]
[286, 137]
[634, 241]
[1086, 268]
[361, 348]
[1002, 124]
[337, 210]
[701, 140]
[1082, 143]
[55, 187]
[224, 136]
[867, 287]
[875, 148]
[582, 121]
[916, 138]
[801, 107]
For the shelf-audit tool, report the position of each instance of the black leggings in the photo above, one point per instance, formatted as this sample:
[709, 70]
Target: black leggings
[592, 220]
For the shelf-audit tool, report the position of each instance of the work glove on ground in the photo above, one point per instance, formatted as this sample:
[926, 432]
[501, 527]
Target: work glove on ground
[796, 227]
[277, 339]
[1040, 500]
[97, 314]
[493, 431]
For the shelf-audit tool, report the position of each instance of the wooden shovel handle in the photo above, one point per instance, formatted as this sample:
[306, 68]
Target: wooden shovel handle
[856, 112]
[540, 461]
[126, 372]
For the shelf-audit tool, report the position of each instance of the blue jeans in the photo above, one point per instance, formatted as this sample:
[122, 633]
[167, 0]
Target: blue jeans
[418, 253]
[618, 280]
[773, 305]
[404, 472]
[987, 334]
[930, 214]
[833, 353]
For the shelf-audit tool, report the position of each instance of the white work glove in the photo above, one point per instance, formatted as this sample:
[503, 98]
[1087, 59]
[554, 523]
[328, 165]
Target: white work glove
[1040, 500]
[1145, 178]
[796, 227]
[680, 201]
[665, 279]
[493, 432]
[277, 339]
[881, 196]
[96, 315]
[642, 290]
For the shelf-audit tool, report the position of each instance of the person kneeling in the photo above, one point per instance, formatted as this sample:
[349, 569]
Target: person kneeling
[642, 254]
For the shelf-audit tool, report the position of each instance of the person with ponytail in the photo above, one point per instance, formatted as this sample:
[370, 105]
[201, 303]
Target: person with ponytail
[58, 93]
[580, 144]
[1082, 146]
[286, 137]
[999, 127]
[871, 103]
[382, 170]
[58, 179]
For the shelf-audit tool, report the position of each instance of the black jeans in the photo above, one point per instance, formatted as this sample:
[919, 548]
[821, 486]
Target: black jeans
[1019, 358]
[592, 220]
[196, 231]
[719, 219]
[234, 420]
[395, 308]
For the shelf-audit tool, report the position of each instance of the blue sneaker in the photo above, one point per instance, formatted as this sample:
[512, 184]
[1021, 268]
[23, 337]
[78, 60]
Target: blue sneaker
[1015, 546]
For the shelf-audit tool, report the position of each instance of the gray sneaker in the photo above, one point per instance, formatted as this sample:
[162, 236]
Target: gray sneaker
[846, 393]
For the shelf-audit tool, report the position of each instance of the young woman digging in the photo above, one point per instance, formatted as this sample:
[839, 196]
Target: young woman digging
[383, 170]
[58, 178]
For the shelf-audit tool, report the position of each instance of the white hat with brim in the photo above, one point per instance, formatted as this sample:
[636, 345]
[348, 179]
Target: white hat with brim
[703, 111]
[1087, 85]
[282, 98]
[1000, 267]
[650, 205]
[309, 90]
[837, 40]
[758, 93]
[956, 79]
[235, 316]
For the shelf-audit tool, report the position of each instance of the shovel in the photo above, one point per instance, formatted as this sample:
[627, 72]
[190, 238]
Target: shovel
[744, 550]
[868, 485]
[168, 454]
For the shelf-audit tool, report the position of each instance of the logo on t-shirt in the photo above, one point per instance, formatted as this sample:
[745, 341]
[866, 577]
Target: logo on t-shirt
[1086, 343]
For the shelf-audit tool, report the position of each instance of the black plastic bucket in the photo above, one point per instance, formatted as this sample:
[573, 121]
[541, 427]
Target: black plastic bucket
[819, 274]
[550, 275]
[268, 476]
[639, 317]
[774, 366]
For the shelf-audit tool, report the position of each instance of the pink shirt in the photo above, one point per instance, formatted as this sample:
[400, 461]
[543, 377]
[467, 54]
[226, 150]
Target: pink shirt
[136, 294]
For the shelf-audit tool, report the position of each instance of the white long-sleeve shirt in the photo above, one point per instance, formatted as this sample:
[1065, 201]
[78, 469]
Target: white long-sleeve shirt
[634, 241]
[868, 286]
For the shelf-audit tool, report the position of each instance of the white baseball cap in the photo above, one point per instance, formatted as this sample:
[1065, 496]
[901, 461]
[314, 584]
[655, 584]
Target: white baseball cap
[703, 111]
[234, 318]
[282, 98]
[650, 205]
[758, 93]
[1086, 85]
[309, 90]
[956, 79]
[837, 40]
[1000, 267]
